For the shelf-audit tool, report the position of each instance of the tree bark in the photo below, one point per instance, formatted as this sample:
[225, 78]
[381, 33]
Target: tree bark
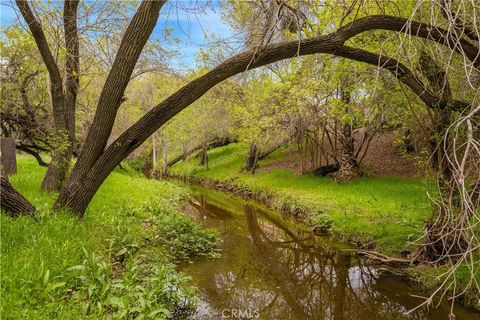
[349, 168]
[252, 157]
[12, 201]
[8, 155]
[211, 145]
[96, 163]
[62, 156]
[326, 169]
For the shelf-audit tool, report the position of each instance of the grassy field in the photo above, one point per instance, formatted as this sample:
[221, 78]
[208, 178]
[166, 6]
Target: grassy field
[119, 260]
[387, 211]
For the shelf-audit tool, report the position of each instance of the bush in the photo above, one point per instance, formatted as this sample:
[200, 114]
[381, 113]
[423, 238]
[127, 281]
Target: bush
[186, 239]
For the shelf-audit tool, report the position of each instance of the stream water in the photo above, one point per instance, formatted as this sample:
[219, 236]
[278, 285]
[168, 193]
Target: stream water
[273, 268]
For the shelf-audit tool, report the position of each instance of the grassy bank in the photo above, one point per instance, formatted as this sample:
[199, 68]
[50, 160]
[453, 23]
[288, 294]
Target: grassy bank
[119, 260]
[389, 212]
[386, 214]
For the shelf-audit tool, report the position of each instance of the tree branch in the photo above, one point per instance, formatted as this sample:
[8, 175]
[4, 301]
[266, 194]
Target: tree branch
[33, 153]
[135, 38]
[56, 85]
[72, 64]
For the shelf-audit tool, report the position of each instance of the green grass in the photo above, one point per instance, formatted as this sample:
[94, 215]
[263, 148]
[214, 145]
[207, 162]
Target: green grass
[119, 260]
[388, 211]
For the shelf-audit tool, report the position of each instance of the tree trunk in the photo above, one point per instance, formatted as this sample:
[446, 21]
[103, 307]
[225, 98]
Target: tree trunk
[252, 156]
[65, 128]
[203, 155]
[326, 169]
[8, 156]
[112, 94]
[211, 145]
[57, 170]
[349, 168]
[12, 201]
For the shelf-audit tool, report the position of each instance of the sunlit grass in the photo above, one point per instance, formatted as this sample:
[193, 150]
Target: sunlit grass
[58, 266]
[388, 211]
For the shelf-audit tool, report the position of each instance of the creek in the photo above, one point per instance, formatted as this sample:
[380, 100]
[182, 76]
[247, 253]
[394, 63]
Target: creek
[272, 267]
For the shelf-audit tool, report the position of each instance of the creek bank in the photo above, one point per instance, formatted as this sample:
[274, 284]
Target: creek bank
[277, 202]
[274, 266]
[422, 274]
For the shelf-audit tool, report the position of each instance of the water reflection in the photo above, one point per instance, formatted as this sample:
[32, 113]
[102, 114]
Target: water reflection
[275, 268]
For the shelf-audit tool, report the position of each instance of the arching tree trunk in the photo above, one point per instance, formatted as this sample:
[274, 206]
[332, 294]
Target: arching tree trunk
[210, 145]
[12, 201]
[97, 162]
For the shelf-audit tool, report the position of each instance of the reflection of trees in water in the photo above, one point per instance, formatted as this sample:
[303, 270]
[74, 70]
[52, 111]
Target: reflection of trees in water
[300, 280]
[319, 282]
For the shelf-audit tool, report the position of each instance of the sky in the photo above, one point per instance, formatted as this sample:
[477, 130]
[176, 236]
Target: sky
[189, 20]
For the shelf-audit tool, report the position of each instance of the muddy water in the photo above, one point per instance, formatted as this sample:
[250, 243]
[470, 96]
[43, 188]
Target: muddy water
[272, 268]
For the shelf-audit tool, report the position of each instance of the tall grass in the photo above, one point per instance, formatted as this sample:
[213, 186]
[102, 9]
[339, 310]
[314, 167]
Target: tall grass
[116, 261]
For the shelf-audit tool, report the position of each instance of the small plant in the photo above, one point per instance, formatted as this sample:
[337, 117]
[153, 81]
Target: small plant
[185, 238]
[293, 206]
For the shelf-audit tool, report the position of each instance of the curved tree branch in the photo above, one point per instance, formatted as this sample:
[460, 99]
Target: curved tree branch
[56, 85]
[33, 153]
[94, 171]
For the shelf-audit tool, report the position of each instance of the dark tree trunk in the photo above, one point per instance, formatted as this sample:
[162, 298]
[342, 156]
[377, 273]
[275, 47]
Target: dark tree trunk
[326, 169]
[12, 201]
[252, 158]
[203, 155]
[444, 236]
[63, 103]
[268, 152]
[57, 170]
[97, 162]
[112, 94]
[8, 156]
